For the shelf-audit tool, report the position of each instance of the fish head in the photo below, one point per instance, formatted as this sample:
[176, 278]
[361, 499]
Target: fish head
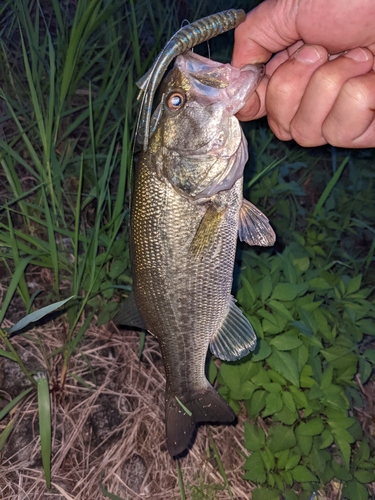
[198, 141]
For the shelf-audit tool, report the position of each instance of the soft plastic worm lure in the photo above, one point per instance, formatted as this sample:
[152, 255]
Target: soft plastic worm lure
[186, 38]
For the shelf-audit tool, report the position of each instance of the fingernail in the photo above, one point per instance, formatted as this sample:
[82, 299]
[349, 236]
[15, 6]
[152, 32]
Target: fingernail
[357, 54]
[307, 54]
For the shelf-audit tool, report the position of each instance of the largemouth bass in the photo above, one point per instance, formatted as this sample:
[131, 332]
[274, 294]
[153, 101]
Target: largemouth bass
[187, 211]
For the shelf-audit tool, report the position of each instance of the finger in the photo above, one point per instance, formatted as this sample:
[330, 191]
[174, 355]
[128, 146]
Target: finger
[287, 86]
[281, 57]
[266, 30]
[255, 106]
[322, 92]
[354, 108]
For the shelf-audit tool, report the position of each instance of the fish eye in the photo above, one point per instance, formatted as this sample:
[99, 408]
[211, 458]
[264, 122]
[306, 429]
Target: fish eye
[175, 101]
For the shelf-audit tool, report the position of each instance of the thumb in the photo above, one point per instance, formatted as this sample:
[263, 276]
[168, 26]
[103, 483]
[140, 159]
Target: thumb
[269, 28]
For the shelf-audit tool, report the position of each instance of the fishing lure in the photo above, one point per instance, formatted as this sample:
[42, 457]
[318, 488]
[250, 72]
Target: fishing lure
[186, 38]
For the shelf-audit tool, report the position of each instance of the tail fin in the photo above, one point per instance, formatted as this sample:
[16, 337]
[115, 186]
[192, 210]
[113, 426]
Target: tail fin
[181, 419]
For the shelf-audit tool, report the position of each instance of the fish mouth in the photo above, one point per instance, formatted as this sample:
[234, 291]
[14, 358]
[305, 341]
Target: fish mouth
[212, 82]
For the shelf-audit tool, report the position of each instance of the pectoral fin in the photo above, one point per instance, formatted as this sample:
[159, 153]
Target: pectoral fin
[207, 230]
[235, 337]
[129, 315]
[254, 227]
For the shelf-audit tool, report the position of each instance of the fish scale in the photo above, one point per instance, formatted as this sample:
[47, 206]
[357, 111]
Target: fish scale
[190, 293]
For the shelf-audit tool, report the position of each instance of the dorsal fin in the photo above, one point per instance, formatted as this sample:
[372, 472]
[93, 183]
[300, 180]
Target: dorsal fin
[128, 314]
[235, 337]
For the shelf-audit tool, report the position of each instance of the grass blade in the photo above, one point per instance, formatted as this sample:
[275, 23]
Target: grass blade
[4, 435]
[4, 412]
[180, 481]
[330, 186]
[37, 315]
[44, 409]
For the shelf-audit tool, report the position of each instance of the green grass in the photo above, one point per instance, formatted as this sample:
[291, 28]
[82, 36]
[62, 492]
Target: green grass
[69, 114]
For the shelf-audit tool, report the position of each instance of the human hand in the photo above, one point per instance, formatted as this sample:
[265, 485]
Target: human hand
[320, 86]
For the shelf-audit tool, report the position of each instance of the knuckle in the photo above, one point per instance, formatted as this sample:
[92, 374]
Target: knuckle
[305, 137]
[356, 91]
[280, 132]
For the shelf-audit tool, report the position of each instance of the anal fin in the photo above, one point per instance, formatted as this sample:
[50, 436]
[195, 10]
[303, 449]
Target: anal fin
[254, 226]
[129, 315]
[235, 337]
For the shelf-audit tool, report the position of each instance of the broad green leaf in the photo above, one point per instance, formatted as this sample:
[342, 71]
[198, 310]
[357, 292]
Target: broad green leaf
[326, 377]
[229, 375]
[363, 451]
[370, 354]
[261, 377]
[313, 427]
[302, 474]
[255, 468]
[265, 494]
[254, 437]
[268, 458]
[245, 391]
[344, 446]
[279, 307]
[288, 291]
[37, 315]
[318, 458]
[299, 397]
[364, 476]
[262, 351]
[286, 341]
[341, 473]
[288, 401]
[282, 458]
[300, 356]
[283, 363]
[340, 357]
[273, 404]
[292, 461]
[281, 438]
[256, 404]
[289, 495]
[326, 439]
[302, 264]
[308, 318]
[365, 370]
[354, 284]
[266, 287]
[272, 387]
[305, 443]
[286, 416]
[306, 377]
[327, 475]
[355, 491]
[335, 398]
[367, 326]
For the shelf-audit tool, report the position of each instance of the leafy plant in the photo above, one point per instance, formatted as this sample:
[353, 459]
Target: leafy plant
[315, 321]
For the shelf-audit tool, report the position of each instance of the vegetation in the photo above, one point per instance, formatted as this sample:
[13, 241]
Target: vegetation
[313, 311]
[67, 117]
